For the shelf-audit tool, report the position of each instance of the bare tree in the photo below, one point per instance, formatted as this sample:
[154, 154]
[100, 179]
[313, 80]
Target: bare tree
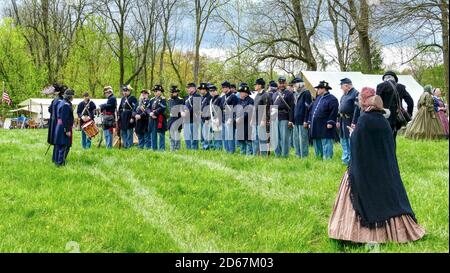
[360, 14]
[285, 33]
[203, 11]
[424, 22]
[343, 34]
[50, 27]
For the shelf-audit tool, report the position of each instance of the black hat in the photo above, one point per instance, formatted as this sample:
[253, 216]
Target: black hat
[324, 84]
[273, 84]
[85, 94]
[232, 85]
[226, 84]
[145, 91]
[203, 86]
[244, 88]
[158, 88]
[260, 81]
[391, 73]
[127, 87]
[174, 89]
[69, 92]
[189, 85]
[212, 87]
[346, 81]
[296, 80]
[282, 79]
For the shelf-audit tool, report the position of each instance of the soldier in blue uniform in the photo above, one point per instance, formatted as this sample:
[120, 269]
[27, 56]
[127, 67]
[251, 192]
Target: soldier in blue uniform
[59, 92]
[261, 119]
[108, 112]
[322, 121]
[158, 122]
[176, 106]
[85, 112]
[141, 116]
[63, 131]
[205, 127]
[127, 106]
[244, 113]
[348, 114]
[283, 100]
[273, 86]
[302, 102]
[192, 117]
[216, 118]
[227, 105]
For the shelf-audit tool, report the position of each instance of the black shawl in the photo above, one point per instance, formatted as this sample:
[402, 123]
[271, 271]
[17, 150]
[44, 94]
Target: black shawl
[377, 191]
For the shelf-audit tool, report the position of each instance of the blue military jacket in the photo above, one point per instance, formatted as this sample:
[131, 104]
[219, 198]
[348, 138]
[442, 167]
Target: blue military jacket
[323, 112]
[176, 106]
[303, 101]
[64, 123]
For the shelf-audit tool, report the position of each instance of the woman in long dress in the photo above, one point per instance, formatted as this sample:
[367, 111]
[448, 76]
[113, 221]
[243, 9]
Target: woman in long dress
[425, 124]
[372, 205]
[441, 110]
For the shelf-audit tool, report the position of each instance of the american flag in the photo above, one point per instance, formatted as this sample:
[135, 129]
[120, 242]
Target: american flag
[5, 97]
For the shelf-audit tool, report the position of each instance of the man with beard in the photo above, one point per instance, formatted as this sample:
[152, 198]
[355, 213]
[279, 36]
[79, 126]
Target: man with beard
[141, 116]
[127, 105]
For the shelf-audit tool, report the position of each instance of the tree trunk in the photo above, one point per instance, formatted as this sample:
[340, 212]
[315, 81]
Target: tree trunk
[364, 38]
[46, 40]
[365, 54]
[445, 41]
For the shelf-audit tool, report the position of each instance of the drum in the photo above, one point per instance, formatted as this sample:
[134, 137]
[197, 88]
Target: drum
[90, 129]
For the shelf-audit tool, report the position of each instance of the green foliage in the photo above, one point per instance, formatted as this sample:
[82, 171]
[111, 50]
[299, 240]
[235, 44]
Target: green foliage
[433, 76]
[377, 59]
[91, 64]
[195, 201]
[22, 78]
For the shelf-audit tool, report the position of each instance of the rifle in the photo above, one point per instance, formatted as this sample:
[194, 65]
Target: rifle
[118, 129]
[48, 148]
[101, 133]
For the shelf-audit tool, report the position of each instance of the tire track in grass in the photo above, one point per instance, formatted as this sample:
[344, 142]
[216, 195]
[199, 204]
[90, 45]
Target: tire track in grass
[157, 212]
[267, 186]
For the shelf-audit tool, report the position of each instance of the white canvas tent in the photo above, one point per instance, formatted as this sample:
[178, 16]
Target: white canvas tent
[360, 80]
[37, 108]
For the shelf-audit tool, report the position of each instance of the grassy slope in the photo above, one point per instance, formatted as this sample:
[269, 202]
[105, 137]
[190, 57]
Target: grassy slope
[142, 201]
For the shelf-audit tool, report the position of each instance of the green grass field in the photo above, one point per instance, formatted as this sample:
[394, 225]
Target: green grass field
[145, 201]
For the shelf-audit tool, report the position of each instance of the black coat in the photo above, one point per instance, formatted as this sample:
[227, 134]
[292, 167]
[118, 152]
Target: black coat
[386, 92]
[143, 109]
[53, 120]
[377, 191]
[126, 108]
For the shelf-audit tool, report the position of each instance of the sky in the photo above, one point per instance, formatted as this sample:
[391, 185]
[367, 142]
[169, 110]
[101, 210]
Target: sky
[216, 42]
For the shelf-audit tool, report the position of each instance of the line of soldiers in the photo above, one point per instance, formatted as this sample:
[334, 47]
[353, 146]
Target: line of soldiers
[275, 118]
